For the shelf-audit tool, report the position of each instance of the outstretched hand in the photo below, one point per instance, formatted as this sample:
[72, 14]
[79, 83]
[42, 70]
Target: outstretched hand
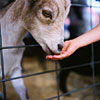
[69, 48]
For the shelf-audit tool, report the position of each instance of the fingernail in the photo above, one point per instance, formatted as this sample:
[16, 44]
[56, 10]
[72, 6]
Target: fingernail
[48, 57]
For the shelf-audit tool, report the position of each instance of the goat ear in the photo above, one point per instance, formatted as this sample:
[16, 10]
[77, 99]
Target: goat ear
[30, 2]
[67, 3]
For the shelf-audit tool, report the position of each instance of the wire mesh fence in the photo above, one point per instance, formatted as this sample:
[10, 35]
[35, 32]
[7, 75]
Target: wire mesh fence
[57, 69]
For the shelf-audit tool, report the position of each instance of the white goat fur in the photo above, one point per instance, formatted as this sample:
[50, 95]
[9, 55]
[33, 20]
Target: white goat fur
[19, 18]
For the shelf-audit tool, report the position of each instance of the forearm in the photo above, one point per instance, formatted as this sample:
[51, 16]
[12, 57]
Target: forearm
[89, 37]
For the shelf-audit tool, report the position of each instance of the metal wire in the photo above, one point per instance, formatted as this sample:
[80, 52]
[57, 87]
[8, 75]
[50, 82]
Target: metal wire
[74, 91]
[57, 78]
[92, 63]
[92, 54]
[2, 66]
[83, 5]
[49, 71]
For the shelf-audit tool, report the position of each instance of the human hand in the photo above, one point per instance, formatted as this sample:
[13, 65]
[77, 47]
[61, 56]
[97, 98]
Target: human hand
[69, 48]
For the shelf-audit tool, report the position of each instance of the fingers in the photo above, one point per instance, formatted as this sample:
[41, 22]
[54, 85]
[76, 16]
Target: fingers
[58, 57]
[69, 48]
[66, 45]
[49, 57]
[64, 53]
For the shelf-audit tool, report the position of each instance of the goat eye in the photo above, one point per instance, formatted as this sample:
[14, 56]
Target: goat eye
[47, 14]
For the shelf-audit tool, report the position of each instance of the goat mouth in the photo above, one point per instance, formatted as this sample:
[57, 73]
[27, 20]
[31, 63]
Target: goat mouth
[50, 51]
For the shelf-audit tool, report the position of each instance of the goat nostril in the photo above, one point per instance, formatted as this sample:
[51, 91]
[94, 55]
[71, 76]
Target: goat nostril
[60, 46]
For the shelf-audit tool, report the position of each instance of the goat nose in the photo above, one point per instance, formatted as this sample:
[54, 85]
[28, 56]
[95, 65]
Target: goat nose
[60, 46]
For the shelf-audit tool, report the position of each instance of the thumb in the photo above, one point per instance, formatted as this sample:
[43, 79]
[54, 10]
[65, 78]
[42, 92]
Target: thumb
[66, 45]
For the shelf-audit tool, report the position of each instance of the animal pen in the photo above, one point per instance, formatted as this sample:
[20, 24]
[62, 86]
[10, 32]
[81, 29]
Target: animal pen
[57, 69]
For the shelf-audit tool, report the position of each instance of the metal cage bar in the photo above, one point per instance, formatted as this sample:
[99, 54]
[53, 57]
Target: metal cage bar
[92, 55]
[2, 66]
[3, 81]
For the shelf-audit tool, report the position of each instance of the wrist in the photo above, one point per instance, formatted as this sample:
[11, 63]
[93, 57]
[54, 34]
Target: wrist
[77, 43]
